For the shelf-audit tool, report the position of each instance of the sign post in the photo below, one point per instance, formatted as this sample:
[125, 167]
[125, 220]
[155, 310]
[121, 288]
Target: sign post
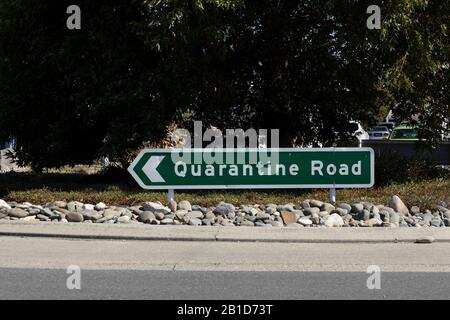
[277, 168]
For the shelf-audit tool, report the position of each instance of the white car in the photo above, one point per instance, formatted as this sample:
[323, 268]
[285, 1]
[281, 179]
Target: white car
[379, 133]
[390, 125]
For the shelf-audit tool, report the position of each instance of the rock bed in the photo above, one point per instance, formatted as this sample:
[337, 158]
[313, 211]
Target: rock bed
[309, 213]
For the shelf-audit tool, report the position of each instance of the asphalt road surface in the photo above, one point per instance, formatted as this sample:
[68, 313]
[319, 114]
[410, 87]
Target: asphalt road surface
[125, 284]
[35, 268]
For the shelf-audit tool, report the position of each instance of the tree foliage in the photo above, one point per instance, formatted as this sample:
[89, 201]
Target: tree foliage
[307, 68]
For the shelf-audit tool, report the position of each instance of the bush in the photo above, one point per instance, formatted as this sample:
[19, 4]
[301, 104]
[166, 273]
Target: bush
[393, 168]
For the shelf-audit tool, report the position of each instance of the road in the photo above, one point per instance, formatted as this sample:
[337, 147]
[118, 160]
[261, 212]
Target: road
[186, 285]
[35, 268]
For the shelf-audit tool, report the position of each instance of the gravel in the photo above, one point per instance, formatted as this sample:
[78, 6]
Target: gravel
[309, 213]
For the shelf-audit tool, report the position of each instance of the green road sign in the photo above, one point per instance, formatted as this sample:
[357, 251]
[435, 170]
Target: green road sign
[254, 168]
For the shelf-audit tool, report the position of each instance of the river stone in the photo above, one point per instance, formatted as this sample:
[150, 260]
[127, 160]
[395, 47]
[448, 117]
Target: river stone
[210, 215]
[17, 213]
[195, 222]
[123, 219]
[375, 210]
[75, 206]
[323, 214]
[305, 204]
[263, 216]
[357, 208]
[436, 222]
[194, 214]
[364, 215]
[334, 220]
[91, 215]
[328, 207]
[295, 225]
[394, 218]
[288, 217]
[305, 221]
[426, 239]
[270, 208]
[310, 211]
[397, 204]
[315, 203]
[155, 207]
[41, 217]
[44, 211]
[276, 223]
[374, 222]
[3, 204]
[146, 217]
[345, 206]
[286, 207]
[255, 211]
[172, 205]
[415, 210]
[427, 218]
[231, 215]
[30, 219]
[224, 208]
[100, 206]
[74, 217]
[446, 222]
[180, 214]
[88, 206]
[110, 213]
[446, 214]
[184, 205]
[315, 218]
[59, 204]
[340, 211]
[167, 221]
[247, 223]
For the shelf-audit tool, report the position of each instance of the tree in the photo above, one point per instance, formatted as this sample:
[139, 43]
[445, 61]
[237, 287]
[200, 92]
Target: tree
[304, 67]
[309, 67]
[71, 96]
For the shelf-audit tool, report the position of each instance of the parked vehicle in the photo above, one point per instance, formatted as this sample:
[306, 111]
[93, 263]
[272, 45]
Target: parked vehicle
[390, 125]
[407, 133]
[379, 133]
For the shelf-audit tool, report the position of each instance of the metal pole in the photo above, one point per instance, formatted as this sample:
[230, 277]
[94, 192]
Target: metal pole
[170, 195]
[333, 195]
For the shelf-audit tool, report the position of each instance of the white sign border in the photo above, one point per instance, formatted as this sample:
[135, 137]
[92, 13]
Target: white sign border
[265, 186]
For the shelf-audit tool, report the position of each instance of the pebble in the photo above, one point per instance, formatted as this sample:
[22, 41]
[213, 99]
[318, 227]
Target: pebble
[74, 217]
[305, 221]
[426, 239]
[17, 213]
[288, 217]
[184, 205]
[309, 213]
[397, 204]
[357, 208]
[334, 220]
[167, 221]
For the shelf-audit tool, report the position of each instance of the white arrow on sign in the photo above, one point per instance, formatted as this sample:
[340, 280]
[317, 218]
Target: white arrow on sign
[150, 168]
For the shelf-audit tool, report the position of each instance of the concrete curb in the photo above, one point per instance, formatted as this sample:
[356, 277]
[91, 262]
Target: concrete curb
[224, 234]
